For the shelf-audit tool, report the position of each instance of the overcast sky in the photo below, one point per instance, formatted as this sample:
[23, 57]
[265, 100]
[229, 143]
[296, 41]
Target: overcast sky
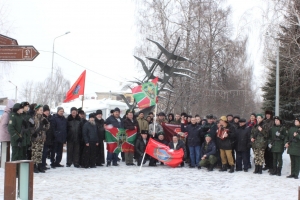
[102, 38]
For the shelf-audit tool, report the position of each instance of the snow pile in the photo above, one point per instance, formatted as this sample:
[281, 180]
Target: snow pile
[162, 182]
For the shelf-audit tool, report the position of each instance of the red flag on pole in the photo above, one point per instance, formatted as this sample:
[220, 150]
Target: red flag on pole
[164, 154]
[77, 88]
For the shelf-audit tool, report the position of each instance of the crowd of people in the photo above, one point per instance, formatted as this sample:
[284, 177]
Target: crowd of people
[223, 143]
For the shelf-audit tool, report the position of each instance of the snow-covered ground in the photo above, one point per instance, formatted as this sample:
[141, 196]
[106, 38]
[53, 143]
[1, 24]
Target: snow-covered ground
[162, 182]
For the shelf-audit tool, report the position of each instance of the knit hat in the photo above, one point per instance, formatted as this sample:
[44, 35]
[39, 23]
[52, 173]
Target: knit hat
[92, 115]
[223, 118]
[73, 108]
[242, 120]
[59, 108]
[117, 109]
[98, 112]
[46, 108]
[259, 115]
[38, 106]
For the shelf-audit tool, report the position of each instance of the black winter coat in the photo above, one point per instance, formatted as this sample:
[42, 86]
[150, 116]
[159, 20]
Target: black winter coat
[193, 131]
[59, 125]
[49, 132]
[179, 145]
[211, 149]
[243, 134]
[226, 143]
[74, 129]
[128, 124]
[114, 122]
[100, 129]
[89, 133]
[140, 146]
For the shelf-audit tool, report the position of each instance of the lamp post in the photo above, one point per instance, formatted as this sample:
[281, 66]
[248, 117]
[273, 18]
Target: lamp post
[52, 63]
[16, 91]
[277, 76]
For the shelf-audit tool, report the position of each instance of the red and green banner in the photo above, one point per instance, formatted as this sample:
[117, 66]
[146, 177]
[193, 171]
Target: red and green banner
[146, 94]
[77, 88]
[164, 154]
[119, 139]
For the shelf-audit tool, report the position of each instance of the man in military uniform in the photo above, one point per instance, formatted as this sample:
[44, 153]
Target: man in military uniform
[28, 124]
[292, 143]
[268, 123]
[16, 133]
[276, 144]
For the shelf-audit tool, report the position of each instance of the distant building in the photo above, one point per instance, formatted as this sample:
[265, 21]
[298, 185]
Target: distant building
[3, 101]
[106, 95]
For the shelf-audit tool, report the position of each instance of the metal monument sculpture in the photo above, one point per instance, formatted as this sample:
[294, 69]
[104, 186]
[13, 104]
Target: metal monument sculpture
[167, 71]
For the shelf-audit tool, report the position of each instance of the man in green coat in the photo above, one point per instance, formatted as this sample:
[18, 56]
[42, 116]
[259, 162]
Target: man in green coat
[277, 136]
[27, 124]
[292, 142]
[16, 133]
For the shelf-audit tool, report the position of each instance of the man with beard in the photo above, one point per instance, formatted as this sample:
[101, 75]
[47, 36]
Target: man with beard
[74, 132]
[268, 122]
[243, 145]
[116, 121]
[90, 136]
[131, 124]
[100, 158]
[59, 125]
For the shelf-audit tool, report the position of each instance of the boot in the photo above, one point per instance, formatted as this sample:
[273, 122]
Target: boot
[274, 171]
[291, 176]
[259, 169]
[108, 163]
[40, 168]
[211, 168]
[223, 169]
[35, 169]
[279, 171]
[231, 169]
[256, 169]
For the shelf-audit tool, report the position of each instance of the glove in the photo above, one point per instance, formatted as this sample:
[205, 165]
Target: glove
[277, 133]
[270, 146]
[24, 123]
[34, 135]
[45, 122]
[31, 121]
[19, 140]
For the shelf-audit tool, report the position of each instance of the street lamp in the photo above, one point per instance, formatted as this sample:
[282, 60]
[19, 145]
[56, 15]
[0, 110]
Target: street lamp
[52, 63]
[277, 76]
[16, 91]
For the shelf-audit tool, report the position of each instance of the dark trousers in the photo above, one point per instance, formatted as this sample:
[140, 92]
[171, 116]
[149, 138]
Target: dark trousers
[248, 157]
[295, 165]
[56, 153]
[18, 153]
[112, 157]
[268, 158]
[90, 155]
[242, 159]
[28, 152]
[44, 157]
[100, 158]
[277, 159]
[73, 149]
[81, 155]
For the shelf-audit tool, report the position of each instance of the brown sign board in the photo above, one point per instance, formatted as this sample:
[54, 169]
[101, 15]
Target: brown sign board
[18, 53]
[4, 40]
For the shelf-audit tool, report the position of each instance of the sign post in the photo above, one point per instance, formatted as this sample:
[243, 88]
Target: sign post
[4, 40]
[18, 53]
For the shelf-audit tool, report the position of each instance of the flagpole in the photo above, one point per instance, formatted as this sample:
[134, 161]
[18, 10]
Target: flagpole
[82, 99]
[142, 161]
[154, 123]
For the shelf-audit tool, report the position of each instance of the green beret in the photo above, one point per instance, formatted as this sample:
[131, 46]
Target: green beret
[38, 106]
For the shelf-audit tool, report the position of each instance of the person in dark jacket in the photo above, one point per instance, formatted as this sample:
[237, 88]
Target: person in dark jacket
[193, 131]
[277, 136]
[100, 157]
[292, 143]
[226, 134]
[73, 138]
[176, 145]
[243, 145]
[116, 121]
[83, 120]
[59, 126]
[268, 123]
[49, 136]
[131, 124]
[140, 146]
[91, 140]
[209, 153]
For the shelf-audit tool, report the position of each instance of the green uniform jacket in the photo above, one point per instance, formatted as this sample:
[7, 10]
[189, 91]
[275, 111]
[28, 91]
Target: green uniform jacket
[294, 142]
[143, 124]
[27, 130]
[15, 128]
[277, 141]
[261, 137]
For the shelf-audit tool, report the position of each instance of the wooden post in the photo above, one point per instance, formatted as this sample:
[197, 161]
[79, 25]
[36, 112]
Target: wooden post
[24, 168]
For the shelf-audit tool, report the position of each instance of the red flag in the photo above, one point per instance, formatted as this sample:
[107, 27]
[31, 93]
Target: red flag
[164, 154]
[77, 88]
[172, 129]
